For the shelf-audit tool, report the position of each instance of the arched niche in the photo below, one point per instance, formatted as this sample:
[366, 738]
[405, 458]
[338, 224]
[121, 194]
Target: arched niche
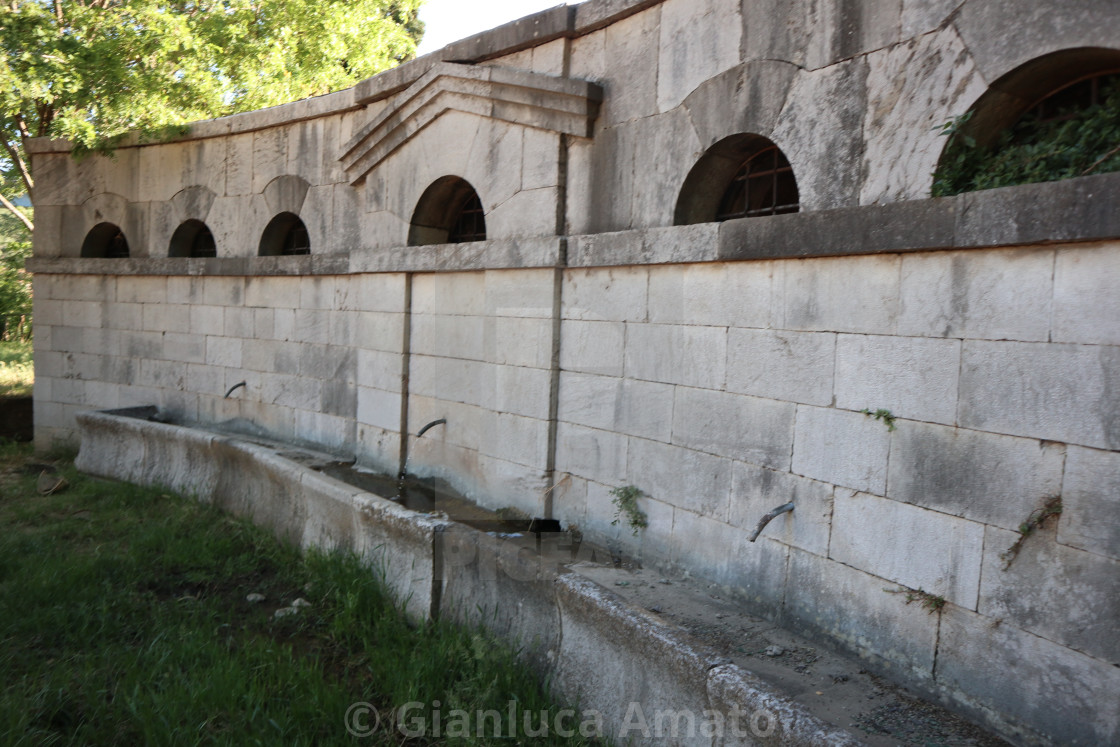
[284, 234]
[741, 176]
[105, 240]
[192, 239]
[449, 212]
[1018, 111]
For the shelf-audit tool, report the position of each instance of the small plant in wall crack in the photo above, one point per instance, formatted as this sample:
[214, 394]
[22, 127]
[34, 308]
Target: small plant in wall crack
[885, 416]
[625, 500]
[1038, 517]
[929, 602]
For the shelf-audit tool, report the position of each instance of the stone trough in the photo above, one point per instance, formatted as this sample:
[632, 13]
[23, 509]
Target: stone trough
[595, 648]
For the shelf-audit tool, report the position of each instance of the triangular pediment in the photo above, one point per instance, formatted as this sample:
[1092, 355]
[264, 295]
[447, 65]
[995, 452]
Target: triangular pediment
[529, 99]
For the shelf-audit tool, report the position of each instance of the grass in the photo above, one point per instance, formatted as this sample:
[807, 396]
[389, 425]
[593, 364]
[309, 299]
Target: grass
[124, 619]
[17, 373]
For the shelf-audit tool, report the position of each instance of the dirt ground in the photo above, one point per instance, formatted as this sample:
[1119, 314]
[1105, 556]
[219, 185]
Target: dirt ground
[836, 689]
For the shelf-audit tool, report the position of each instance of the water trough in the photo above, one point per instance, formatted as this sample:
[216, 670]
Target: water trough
[591, 645]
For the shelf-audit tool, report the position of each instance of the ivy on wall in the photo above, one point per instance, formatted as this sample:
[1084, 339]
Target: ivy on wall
[1076, 142]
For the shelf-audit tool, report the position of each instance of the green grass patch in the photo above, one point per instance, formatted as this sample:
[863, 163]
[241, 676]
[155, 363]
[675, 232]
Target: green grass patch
[17, 372]
[124, 620]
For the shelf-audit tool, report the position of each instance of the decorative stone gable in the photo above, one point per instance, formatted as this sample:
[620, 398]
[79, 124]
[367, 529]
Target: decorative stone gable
[544, 102]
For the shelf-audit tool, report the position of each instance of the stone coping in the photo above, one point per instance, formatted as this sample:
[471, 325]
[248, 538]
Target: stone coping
[1069, 211]
[562, 21]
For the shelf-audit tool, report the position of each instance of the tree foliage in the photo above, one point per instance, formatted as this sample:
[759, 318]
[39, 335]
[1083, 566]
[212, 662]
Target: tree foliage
[93, 70]
[15, 282]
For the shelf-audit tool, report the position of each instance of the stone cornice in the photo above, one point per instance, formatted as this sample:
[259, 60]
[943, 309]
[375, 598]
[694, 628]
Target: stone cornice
[530, 99]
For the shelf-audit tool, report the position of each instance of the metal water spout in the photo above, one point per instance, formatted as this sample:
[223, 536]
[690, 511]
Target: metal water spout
[429, 426]
[770, 517]
[234, 388]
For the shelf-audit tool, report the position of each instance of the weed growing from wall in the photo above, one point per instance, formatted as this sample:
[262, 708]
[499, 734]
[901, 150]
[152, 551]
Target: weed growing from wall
[1038, 517]
[929, 602]
[625, 500]
[1077, 142]
[885, 416]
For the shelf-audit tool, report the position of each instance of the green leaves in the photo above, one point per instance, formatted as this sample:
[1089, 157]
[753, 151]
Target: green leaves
[94, 71]
[1086, 142]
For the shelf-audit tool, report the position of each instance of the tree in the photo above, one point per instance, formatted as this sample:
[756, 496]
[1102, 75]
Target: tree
[93, 70]
[15, 282]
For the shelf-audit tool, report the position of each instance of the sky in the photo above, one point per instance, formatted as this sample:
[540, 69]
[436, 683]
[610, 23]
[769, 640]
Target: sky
[450, 20]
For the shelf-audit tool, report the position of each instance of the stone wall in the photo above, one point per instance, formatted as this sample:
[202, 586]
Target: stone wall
[723, 368]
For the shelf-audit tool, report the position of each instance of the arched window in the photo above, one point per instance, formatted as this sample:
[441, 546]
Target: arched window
[285, 234]
[105, 240]
[192, 239]
[741, 176]
[1053, 118]
[449, 212]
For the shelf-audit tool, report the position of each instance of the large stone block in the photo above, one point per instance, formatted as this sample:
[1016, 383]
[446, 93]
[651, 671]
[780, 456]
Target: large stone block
[520, 342]
[239, 165]
[1086, 305]
[206, 320]
[594, 454]
[450, 293]
[185, 348]
[83, 314]
[819, 132]
[681, 477]
[754, 571]
[917, 548]
[842, 448]
[849, 294]
[519, 293]
[1090, 495]
[614, 295]
[913, 377]
[592, 347]
[999, 47]
[627, 68]
[746, 98]
[748, 429]
[979, 476]
[781, 364]
[829, 599]
[522, 391]
[142, 289]
[722, 294]
[516, 439]
[1047, 391]
[379, 369]
[380, 331]
[664, 150]
[224, 351]
[332, 362]
[912, 89]
[1063, 594]
[270, 156]
[757, 490]
[449, 336]
[988, 295]
[677, 354]
[166, 318]
[637, 408]
[1009, 678]
[469, 382]
[698, 41]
